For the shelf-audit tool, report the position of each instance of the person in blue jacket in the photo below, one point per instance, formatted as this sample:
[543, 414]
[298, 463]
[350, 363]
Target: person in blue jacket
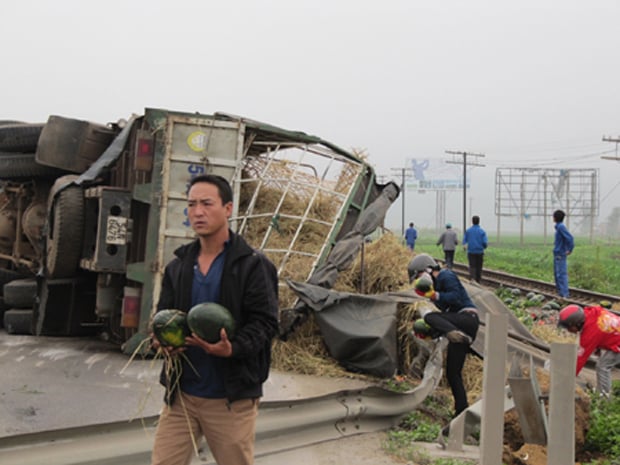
[411, 234]
[475, 242]
[562, 248]
[457, 319]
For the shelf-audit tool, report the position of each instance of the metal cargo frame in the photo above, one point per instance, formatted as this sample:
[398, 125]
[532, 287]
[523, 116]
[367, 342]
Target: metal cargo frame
[259, 160]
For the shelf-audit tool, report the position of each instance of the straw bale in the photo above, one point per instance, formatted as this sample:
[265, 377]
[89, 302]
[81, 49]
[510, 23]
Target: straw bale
[384, 265]
[305, 352]
[551, 333]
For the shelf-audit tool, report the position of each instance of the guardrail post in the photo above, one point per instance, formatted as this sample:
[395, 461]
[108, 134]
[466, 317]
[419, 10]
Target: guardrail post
[492, 427]
[561, 449]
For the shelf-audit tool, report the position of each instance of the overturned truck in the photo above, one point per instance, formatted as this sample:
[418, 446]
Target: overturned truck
[90, 213]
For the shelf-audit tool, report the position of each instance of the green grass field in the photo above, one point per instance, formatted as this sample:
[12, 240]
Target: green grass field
[594, 266]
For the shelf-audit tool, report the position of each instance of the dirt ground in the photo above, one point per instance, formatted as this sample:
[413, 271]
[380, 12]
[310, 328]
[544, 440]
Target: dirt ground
[516, 452]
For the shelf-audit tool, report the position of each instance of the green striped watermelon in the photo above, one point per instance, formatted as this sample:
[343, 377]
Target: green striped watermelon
[170, 327]
[207, 320]
[424, 283]
[421, 327]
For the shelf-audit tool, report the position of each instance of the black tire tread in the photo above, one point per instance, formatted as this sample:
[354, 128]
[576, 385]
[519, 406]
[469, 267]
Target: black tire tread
[20, 137]
[6, 276]
[20, 293]
[24, 165]
[64, 243]
[18, 321]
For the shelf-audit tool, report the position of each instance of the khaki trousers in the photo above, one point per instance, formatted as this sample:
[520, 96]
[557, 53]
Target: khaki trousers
[228, 428]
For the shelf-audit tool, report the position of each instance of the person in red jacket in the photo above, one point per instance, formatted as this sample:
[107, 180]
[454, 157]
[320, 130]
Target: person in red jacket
[598, 328]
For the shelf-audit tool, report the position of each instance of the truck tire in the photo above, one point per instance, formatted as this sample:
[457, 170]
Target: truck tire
[20, 137]
[2, 311]
[20, 293]
[66, 233]
[6, 276]
[24, 165]
[18, 321]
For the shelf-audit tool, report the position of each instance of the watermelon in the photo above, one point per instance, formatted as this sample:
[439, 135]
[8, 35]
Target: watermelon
[421, 327]
[170, 327]
[424, 283]
[207, 320]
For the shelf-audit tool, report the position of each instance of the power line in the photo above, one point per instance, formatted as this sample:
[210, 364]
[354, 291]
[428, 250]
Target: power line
[552, 161]
[612, 139]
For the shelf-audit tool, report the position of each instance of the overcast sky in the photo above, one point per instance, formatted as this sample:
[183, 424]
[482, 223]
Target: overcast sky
[528, 83]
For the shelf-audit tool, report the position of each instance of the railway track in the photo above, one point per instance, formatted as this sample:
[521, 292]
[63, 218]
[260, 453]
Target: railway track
[495, 279]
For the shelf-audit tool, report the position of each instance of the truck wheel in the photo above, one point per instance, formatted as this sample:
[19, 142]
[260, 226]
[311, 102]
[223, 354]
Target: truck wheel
[24, 165]
[18, 321]
[6, 276]
[2, 311]
[20, 293]
[66, 233]
[20, 137]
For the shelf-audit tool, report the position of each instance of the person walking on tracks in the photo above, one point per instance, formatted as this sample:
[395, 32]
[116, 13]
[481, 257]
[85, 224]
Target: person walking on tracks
[457, 319]
[598, 328]
[475, 242]
[217, 391]
[411, 235]
[448, 240]
[562, 247]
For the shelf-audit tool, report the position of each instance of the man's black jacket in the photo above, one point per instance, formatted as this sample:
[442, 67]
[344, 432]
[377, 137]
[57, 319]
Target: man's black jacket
[249, 289]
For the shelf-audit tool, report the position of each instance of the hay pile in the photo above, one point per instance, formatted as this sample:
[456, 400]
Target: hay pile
[550, 333]
[384, 268]
[289, 212]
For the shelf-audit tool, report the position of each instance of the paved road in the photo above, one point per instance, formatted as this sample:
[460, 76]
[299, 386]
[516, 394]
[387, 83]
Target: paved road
[55, 383]
[52, 383]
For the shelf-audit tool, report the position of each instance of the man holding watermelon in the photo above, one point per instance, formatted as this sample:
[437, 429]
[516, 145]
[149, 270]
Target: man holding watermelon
[214, 385]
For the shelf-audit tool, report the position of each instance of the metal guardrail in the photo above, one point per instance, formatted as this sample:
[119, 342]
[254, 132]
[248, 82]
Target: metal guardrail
[281, 425]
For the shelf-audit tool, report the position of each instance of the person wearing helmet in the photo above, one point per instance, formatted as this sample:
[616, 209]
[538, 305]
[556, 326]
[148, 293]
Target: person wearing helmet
[457, 319]
[448, 240]
[598, 328]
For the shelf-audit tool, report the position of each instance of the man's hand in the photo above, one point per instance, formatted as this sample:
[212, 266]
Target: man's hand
[222, 348]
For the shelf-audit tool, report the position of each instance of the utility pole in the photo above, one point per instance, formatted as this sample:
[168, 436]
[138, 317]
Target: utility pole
[464, 162]
[403, 189]
[617, 141]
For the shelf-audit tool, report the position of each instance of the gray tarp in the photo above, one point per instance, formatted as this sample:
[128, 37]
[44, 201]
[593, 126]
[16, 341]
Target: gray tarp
[342, 254]
[359, 330]
[347, 248]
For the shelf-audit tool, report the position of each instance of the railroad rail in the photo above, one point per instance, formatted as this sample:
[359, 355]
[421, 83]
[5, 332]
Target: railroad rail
[495, 279]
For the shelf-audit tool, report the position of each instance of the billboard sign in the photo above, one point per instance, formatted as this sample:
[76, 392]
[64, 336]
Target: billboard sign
[434, 174]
